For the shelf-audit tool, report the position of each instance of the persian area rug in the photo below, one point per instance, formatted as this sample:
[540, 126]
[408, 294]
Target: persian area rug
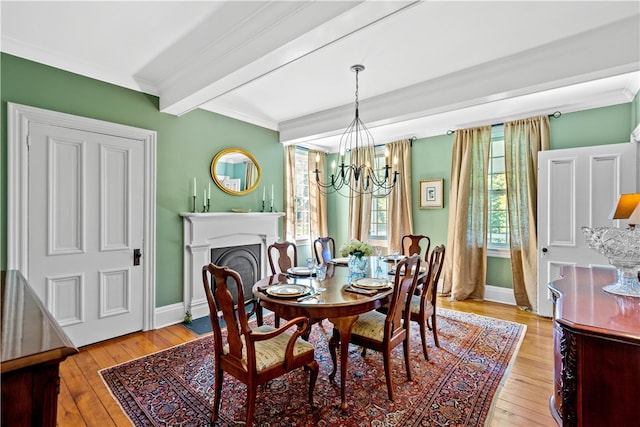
[456, 387]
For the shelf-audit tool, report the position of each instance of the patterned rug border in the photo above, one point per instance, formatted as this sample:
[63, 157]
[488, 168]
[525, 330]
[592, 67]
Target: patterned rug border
[451, 314]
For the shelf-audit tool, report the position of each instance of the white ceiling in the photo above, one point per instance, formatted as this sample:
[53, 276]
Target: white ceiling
[431, 66]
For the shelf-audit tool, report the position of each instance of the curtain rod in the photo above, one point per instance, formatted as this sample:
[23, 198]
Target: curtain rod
[555, 115]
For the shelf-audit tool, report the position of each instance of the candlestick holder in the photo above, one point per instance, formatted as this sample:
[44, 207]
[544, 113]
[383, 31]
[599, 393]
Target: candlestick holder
[208, 205]
[271, 209]
[194, 204]
[204, 207]
[262, 210]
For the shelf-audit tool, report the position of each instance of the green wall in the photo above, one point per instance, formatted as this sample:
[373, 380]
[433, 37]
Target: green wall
[187, 144]
[185, 147]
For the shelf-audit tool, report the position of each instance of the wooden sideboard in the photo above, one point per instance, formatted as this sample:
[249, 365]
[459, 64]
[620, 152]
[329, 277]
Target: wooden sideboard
[33, 345]
[596, 351]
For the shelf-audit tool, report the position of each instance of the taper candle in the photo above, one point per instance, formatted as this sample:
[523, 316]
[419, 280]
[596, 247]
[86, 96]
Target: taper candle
[264, 193]
[271, 195]
[194, 186]
[209, 195]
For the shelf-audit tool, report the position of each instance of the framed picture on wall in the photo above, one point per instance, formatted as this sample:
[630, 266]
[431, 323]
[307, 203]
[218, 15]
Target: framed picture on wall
[431, 194]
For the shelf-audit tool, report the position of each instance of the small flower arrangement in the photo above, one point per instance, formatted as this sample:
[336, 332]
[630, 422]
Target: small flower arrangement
[357, 248]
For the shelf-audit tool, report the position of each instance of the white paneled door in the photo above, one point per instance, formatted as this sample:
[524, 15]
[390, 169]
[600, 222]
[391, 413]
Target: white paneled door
[577, 187]
[86, 230]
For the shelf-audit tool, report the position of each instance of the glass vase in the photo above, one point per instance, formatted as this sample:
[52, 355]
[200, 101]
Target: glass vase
[358, 267]
[622, 247]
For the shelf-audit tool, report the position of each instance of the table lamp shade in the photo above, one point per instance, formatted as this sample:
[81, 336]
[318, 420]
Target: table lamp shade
[626, 207]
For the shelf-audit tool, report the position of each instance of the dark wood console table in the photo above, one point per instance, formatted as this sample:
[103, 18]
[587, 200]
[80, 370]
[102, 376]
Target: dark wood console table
[33, 345]
[596, 351]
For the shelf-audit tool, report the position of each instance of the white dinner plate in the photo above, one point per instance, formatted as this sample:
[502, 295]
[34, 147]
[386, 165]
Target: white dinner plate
[389, 258]
[299, 271]
[371, 283]
[287, 290]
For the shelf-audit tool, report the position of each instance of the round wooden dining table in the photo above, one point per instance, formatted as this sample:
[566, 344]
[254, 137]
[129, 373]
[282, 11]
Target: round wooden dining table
[335, 303]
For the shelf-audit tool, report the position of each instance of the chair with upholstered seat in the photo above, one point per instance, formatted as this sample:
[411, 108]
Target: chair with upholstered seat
[254, 356]
[383, 332]
[423, 305]
[324, 249]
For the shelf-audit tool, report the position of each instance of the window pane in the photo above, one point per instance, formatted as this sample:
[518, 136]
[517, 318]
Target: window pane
[301, 195]
[498, 230]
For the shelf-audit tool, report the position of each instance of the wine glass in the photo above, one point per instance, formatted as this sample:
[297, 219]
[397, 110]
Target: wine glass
[395, 253]
[379, 251]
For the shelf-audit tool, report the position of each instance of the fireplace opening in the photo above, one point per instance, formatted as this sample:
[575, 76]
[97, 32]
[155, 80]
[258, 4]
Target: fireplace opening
[245, 260]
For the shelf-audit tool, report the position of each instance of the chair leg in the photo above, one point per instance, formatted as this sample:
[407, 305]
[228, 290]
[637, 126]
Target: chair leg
[276, 320]
[217, 392]
[313, 367]
[435, 330]
[259, 317]
[387, 372]
[251, 403]
[423, 337]
[407, 354]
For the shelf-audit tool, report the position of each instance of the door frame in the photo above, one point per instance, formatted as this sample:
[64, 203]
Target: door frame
[18, 119]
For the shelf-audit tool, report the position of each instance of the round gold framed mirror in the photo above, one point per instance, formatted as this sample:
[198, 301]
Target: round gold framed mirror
[235, 171]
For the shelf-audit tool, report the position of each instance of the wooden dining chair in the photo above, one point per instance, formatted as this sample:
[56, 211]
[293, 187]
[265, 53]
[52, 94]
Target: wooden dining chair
[384, 332]
[287, 256]
[324, 249]
[423, 303]
[254, 356]
[282, 256]
[414, 243]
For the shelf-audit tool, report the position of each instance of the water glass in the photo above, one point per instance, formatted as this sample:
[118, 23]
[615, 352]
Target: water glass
[310, 265]
[321, 272]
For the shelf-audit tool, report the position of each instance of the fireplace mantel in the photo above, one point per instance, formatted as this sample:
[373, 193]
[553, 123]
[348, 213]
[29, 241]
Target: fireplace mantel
[205, 231]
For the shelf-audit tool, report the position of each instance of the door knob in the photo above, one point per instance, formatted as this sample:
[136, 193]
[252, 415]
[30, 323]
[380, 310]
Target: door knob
[136, 256]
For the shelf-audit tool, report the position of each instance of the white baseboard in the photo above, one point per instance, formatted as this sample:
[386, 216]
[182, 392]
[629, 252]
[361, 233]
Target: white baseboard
[169, 315]
[498, 294]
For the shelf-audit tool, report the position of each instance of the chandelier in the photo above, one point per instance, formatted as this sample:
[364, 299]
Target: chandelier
[356, 171]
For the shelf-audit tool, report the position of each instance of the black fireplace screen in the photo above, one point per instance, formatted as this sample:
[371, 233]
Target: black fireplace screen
[245, 260]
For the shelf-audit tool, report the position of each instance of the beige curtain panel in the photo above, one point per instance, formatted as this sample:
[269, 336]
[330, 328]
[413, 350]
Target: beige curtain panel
[466, 262]
[400, 218]
[360, 204]
[317, 199]
[523, 139]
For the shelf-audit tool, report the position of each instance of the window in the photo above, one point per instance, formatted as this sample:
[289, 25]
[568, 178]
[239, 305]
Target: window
[378, 228]
[498, 227]
[301, 195]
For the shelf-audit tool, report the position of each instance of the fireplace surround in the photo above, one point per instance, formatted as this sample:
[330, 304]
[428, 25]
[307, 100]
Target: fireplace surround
[203, 232]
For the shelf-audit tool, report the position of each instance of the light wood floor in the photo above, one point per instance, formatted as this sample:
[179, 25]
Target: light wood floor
[523, 401]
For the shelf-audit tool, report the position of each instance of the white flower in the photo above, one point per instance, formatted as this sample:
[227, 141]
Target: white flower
[356, 247]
